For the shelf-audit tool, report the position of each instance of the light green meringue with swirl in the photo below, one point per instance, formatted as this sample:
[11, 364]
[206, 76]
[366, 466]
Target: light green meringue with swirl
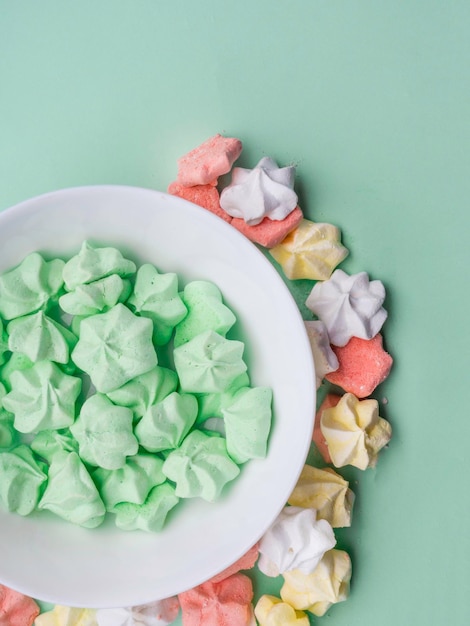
[29, 286]
[104, 433]
[22, 480]
[209, 363]
[166, 423]
[156, 296]
[114, 347]
[210, 404]
[93, 263]
[149, 516]
[200, 467]
[96, 297]
[71, 493]
[42, 397]
[40, 338]
[48, 443]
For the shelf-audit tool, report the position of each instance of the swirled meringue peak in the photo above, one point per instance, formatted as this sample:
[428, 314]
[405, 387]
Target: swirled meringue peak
[200, 467]
[16, 609]
[29, 286]
[67, 616]
[265, 191]
[71, 493]
[42, 397]
[296, 540]
[272, 611]
[156, 296]
[149, 516]
[96, 297]
[48, 443]
[23, 480]
[209, 363]
[160, 613]
[92, 263]
[40, 338]
[104, 433]
[114, 347]
[349, 306]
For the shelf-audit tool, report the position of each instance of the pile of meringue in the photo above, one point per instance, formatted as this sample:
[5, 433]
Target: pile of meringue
[350, 362]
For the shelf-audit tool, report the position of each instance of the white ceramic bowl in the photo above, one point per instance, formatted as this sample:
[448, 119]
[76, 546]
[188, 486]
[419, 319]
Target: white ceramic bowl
[52, 560]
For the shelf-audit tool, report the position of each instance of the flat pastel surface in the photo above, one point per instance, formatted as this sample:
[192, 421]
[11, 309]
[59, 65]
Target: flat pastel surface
[370, 101]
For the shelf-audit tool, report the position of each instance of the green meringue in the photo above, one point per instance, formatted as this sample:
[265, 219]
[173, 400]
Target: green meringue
[8, 434]
[206, 311]
[200, 467]
[142, 391]
[93, 263]
[22, 480]
[114, 347]
[104, 433]
[247, 423]
[40, 338]
[209, 363]
[16, 362]
[149, 516]
[132, 483]
[3, 343]
[96, 297]
[156, 296]
[165, 424]
[42, 397]
[29, 286]
[210, 404]
[48, 443]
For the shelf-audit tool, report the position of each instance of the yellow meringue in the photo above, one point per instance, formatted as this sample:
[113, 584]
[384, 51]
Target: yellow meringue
[310, 251]
[67, 616]
[327, 492]
[327, 585]
[354, 432]
[272, 611]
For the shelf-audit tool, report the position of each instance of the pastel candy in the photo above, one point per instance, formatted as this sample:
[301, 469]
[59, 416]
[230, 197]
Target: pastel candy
[156, 296]
[149, 516]
[349, 306]
[3, 342]
[114, 347]
[354, 432]
[67, 616]
[265, 191]
[245, 562]
[200, 467]
[166, 423]
[210, 404]
[324, 358]
[93, 263]
[71, 494]
[363, 365]
[104, 433]
[328, 584]
[16, 362]
[205, 196]
[272, 611]
[16, 609]
[310, 251]
[325, 491]
[330, 400]
[269, 233]
[29, 286]
[206, 311]
[159, 613]
[22, 480]
[42, 397]
[48, 443]
[224, 603]
[209, 363]
[40, 338]
[204, 164]
[96, 297]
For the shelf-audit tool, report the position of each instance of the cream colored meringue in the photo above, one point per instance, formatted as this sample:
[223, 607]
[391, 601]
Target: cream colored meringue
[272, 611]
[324, 358]
[349, 306]
[326, 585]
[327, 492]
[265, 191]
[311, 251]
[296, 540]
[67, 616]
[160, 613]
[354, 432]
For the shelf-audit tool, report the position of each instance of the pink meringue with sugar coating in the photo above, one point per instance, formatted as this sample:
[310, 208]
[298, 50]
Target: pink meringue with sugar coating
[204, 164]
[225, 603]
[16, 609]
[205, 196]
[247, 561]
[269, 233]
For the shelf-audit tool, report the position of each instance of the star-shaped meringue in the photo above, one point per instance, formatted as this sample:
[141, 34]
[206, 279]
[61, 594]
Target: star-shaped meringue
[67, 616]
[16, 609]
[159, 613]
[324, 358]
[272, 611]
[265, 191]
[204, 164]
[349, 306]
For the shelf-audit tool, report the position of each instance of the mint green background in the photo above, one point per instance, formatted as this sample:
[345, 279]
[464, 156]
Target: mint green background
[370, 99]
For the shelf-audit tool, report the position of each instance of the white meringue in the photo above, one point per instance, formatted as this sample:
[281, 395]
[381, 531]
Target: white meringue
[324, 358]
[296, 540]
[160, 613]
[349, 306]
[265, 191]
